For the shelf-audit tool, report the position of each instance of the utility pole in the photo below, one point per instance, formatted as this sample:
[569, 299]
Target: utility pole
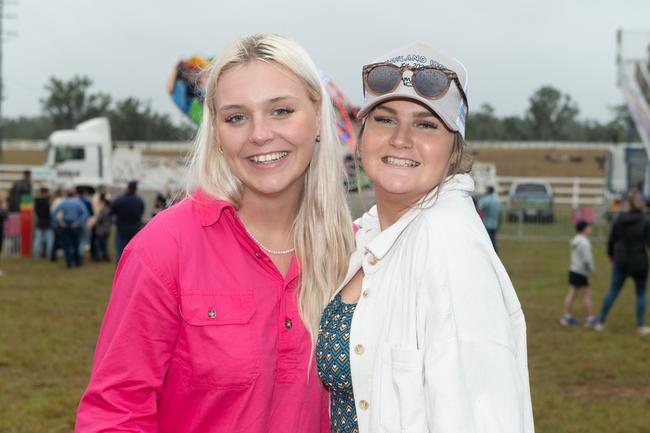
[2, 41]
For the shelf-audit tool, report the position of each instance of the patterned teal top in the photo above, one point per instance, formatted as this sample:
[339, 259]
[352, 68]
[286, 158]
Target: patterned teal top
[332, 357]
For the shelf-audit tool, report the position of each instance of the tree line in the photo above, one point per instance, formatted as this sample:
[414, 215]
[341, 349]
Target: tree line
[67, 103]
[551, 115]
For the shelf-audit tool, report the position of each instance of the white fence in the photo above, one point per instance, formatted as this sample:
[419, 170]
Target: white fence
[574, 198]
[574, 191]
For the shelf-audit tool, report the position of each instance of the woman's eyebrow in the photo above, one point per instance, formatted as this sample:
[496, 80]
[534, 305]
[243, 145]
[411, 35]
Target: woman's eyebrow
[239, 107]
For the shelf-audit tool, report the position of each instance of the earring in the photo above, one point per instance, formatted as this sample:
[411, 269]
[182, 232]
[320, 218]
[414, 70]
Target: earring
[318, 138]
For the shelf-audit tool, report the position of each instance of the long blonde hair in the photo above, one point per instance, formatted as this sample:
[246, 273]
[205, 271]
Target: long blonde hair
[322, 229]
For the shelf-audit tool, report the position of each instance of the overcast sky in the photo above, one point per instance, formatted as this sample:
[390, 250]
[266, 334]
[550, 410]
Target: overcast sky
[510, 47]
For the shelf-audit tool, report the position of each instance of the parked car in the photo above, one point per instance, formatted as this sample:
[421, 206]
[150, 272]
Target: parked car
[530, 200]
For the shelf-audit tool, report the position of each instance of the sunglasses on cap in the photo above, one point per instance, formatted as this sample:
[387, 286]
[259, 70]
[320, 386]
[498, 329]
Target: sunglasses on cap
[430, 82]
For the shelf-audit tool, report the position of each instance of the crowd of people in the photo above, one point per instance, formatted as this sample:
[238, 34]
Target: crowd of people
[70, 222]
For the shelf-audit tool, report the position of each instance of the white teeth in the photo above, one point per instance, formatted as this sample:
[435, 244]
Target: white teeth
[400, 162]
[269, 157]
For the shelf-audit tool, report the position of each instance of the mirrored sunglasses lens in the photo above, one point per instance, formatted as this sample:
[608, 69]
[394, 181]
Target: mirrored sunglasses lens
[383, 79]
[431, 82]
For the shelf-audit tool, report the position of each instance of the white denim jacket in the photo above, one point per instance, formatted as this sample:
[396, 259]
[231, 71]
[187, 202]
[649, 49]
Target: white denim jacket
[438, 337]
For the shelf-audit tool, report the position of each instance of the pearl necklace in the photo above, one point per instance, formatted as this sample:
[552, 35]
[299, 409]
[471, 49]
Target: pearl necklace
[268, 250]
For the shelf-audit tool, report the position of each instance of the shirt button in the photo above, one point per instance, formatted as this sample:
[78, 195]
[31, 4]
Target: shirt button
[258, 255]
[365, 293]
[288, 323]
[359, 349]
[211, 313]
[363, 405]
[372, 260]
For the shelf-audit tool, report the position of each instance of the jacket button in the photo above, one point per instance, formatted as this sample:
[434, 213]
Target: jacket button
[365, 293]
[359, 349]
[288, 323]
[211, 313]
[363, 405]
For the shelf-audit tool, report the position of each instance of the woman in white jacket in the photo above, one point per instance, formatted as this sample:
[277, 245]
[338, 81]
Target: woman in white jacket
[426, 334]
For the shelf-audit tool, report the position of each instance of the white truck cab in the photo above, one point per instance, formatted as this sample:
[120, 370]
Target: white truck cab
[82, 156]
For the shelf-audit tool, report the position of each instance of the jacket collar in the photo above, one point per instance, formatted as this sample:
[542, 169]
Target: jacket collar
[380, 242]
[209, 207]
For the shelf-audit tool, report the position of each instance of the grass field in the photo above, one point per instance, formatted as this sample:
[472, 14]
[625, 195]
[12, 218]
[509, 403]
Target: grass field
[582, 381]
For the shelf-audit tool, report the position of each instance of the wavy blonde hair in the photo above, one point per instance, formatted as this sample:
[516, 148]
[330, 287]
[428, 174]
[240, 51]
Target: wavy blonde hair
[322, 230]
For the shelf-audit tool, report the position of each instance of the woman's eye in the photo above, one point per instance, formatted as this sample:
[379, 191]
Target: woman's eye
[427, 125]
[382, 119]
[284, 111]
[235, 118]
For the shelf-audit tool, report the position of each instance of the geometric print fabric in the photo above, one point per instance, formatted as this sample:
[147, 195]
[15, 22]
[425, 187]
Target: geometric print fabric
[332, 358]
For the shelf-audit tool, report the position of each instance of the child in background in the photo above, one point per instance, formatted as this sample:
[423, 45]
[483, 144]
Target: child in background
[582, 264]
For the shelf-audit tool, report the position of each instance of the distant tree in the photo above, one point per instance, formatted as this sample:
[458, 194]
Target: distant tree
[164, 129]
[621, 128]
[515, 128]
[132, 119]
[552, 115]
[484, 125]
[28, 128]
[69, 102]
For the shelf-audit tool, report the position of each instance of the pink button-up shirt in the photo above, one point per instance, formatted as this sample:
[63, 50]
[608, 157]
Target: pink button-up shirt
[202, 334]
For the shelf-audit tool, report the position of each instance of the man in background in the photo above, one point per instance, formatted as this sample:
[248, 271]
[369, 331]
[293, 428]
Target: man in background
[490, 211]
[128, 210]
[18, 190]
[70, 215]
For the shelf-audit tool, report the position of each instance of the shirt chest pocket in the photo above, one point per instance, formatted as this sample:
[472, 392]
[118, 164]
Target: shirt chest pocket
[219, 345]
[402, 393]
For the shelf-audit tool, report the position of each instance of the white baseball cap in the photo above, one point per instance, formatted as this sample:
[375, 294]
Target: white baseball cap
[451, 106]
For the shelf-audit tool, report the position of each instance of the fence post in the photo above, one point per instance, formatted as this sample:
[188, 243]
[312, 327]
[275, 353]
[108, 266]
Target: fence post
[575, 198]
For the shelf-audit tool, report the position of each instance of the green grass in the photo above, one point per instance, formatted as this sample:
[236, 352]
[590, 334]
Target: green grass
[49, 319]
[582, 381]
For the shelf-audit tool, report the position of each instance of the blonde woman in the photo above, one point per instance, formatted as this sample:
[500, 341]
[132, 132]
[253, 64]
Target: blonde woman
[216, 303]
[426, 333]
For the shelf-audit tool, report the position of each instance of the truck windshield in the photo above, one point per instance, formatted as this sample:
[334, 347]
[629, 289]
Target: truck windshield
[67, 153]
[531, 190]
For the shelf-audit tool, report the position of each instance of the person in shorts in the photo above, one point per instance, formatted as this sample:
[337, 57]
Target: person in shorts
[582, 264]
